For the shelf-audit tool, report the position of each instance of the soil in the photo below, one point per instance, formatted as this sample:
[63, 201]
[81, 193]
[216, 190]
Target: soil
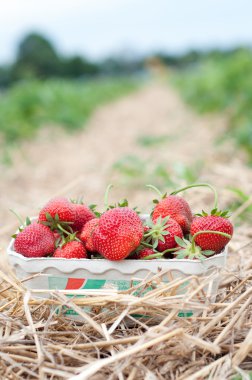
[81, 164]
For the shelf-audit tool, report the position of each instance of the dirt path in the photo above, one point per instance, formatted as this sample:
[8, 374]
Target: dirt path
[81, 163]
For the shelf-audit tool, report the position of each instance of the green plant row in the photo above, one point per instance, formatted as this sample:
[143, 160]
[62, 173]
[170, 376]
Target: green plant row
[223, 83]
[28, 106]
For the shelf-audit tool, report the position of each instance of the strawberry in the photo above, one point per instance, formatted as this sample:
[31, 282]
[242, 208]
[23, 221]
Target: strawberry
[162, 233]
[35, 240]
[71, 250]
[57, 210]
[218, 222]
[83, 215]
[187, 249]
[175, 207]
[119, 232]
[144, 252]
[87, 232]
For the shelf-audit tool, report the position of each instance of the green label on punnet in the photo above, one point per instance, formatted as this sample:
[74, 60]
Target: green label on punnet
[64, 283]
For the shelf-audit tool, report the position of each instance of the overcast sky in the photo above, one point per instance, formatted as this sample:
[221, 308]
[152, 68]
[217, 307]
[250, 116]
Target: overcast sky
[99, 27]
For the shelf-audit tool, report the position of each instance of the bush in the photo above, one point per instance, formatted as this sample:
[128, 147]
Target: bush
[223, 83]
[28, 106]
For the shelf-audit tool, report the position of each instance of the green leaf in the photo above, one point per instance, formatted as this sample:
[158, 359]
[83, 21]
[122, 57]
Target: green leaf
[162, 239]
[164, 233]
[48, 217]
[123, 203]
[27, 221]
[180, 242]
[208, 253]
[214, 211]
[92, 207]
[181, 254]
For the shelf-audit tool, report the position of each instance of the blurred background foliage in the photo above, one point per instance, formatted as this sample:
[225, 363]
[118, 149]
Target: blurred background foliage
[42, 86]
[222, 82]
[31, 104]
[38, 58]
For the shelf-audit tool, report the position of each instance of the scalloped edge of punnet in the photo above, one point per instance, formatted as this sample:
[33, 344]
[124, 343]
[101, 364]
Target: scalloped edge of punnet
[42, 276]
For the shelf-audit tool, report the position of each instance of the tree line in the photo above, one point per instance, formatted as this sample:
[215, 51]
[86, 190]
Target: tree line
[37, 57]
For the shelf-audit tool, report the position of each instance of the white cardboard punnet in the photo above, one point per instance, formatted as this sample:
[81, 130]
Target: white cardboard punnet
[105, 269]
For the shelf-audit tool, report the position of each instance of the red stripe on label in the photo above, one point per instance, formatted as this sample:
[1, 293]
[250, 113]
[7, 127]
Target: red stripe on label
[75, 283]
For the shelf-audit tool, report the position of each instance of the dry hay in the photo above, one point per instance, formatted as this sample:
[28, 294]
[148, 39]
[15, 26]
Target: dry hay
[110, 342]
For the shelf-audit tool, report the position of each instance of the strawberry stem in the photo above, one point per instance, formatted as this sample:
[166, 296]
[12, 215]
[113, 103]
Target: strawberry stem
[200, 185]
[63, 229]
[106, 205]
[155, 189]
[22, 223]
[209, 232]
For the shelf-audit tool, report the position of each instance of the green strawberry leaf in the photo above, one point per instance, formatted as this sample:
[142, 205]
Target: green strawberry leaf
[164, 233]
[92, 207]
[123, 203]
[27, 221]
[214, 211]
[180, 242]
[208, 253]
[162, 239]
[48, 216]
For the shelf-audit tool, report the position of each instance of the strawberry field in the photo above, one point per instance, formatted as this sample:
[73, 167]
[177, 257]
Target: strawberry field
[160, 326]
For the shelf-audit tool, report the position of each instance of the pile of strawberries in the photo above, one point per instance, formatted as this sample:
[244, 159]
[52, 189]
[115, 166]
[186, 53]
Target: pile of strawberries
[70, 230]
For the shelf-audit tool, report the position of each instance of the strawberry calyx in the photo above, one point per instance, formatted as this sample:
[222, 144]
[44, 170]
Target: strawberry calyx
[55, 223]
[92, 207]
[23, 223]
[65, 237]
[162, 196]
[122, 203]
[189, 249]
[77, 201]
[215, 212]
[156, 231]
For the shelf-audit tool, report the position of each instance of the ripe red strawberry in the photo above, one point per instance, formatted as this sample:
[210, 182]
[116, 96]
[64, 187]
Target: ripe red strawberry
[60, 210]
[87, 232]
[213, 222]
[83, 215]
[36, 240]
[175, 207]
[119, 232]
[71, 250]
[144, 253]
[162, 233]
